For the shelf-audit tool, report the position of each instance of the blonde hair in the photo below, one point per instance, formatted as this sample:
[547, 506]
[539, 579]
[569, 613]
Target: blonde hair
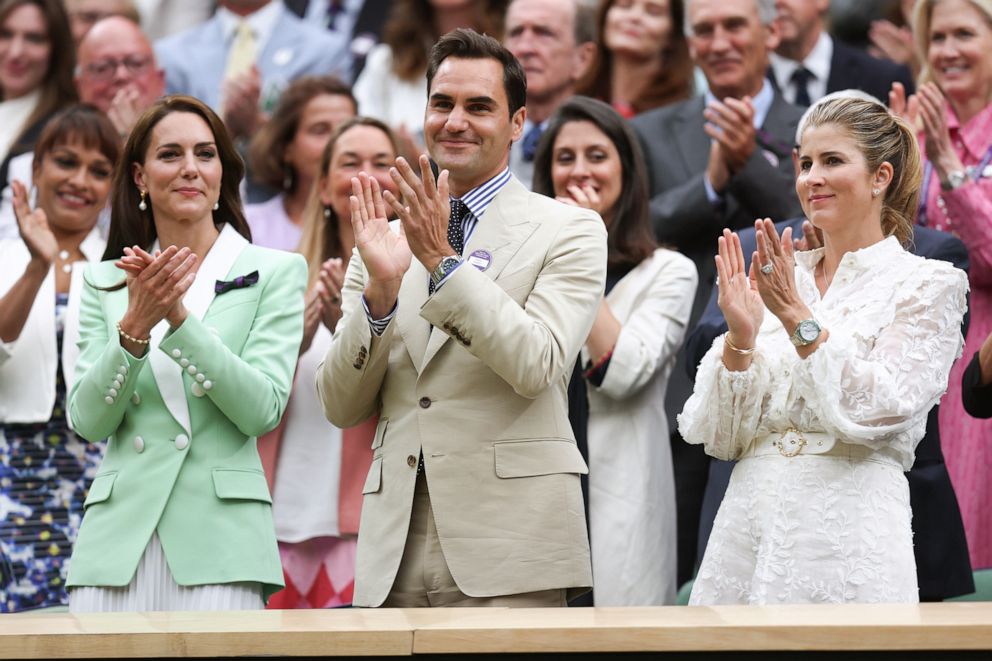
[922, 15]
[881, 137]
[320, 240]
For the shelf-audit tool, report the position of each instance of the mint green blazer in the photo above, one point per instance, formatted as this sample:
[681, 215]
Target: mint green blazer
[182, 422]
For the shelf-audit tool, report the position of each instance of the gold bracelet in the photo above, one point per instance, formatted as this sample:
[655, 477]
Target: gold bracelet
[730, 345]
[132, 339]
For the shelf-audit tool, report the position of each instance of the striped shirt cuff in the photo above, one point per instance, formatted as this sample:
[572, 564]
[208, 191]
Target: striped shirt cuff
[378, 326]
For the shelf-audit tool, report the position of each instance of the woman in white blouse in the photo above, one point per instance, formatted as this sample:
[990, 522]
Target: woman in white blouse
[590, 157]
[821, 386]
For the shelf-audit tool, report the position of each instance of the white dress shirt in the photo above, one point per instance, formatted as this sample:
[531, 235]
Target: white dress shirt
[817, 63]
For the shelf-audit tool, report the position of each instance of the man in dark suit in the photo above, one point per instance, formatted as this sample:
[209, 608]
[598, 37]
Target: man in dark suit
[715, 162]
[942, 564]
[808, 63]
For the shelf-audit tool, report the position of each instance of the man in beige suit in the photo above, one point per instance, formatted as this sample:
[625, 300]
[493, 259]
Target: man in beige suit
[459, 331]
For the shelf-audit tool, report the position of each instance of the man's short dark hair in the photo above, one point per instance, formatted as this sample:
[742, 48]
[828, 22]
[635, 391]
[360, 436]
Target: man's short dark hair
[469, 44]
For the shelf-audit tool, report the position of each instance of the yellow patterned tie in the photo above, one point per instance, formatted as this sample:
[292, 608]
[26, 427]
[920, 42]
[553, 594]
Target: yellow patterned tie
[242, 55]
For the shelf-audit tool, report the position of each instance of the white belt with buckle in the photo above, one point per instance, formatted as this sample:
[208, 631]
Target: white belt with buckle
[793, 443]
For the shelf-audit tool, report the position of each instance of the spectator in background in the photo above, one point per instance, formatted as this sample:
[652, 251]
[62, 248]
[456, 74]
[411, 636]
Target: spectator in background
[809, 64]
[555, 42]
[285, 152]
[892, 37]
[717, 161]
[317, 492]
[391, 87]
[360, 22]
[84, 14]
[642, 58]
[118, 74]
[239, 61]
[954, 107]
[45, 469]
[36, 68]
[590, 158]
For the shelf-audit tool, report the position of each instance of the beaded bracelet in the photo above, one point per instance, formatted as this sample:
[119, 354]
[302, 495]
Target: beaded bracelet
[730, 345]
[128, 337]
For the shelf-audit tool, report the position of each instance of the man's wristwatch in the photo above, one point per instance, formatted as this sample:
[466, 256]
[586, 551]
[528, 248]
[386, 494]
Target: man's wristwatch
[955, 179]
[806, 333]
[446, 266]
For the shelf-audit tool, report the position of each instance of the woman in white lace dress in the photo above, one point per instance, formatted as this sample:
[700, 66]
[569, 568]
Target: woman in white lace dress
[821, 387]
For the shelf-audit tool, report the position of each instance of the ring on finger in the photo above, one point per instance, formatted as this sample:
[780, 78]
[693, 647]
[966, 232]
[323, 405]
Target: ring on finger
[768, 268]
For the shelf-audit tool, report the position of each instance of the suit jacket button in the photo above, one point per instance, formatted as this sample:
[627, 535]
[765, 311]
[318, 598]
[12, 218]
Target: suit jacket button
[425, 402]
[176, 353]
[411, 461]
[108, 399]
[139, 444]
[357, 365]
[197, 390]
[135, 398]
[182, 441]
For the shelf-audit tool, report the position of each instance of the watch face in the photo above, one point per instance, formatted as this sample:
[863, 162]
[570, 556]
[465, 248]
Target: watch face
[808, 330]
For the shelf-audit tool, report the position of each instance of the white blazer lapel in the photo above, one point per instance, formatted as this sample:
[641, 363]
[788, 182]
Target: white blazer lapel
[216, 265]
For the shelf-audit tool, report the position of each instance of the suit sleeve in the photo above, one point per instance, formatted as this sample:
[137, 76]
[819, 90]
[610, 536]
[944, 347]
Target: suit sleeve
[252, 388]
[533, 346]
[654, 331]
[106, 373]
[349, 378]
[763, 190]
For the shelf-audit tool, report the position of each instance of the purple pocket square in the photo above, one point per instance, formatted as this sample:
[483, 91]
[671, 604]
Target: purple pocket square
[240, 282]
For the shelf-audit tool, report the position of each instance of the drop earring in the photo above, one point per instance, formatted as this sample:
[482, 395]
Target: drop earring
[142, 205]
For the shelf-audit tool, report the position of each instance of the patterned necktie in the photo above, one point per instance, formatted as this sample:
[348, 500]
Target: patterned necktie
[241, 57]
[529, 146]
[801, 78]
[456, 231]
[334, 9]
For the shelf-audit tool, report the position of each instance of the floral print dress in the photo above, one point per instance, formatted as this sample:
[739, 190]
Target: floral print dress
[45, 471]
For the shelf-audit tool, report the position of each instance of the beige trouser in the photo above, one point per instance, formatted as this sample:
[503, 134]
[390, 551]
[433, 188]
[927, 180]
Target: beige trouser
[423, 579]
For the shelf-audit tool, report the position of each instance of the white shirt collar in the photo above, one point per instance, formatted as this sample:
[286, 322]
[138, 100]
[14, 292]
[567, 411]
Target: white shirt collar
[817, 63]
[263, 22]
[861, 259]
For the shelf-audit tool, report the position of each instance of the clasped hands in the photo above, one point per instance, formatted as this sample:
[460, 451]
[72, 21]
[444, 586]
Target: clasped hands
[770, 282]
[423, 213]
[156, 285]
[730, 125]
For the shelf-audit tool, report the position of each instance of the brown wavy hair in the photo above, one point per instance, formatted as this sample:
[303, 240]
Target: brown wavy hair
[673, 81]
[630, 239]
[409, 32]
[129, 225]
[267, 150]
[881, 137]
[57, 87]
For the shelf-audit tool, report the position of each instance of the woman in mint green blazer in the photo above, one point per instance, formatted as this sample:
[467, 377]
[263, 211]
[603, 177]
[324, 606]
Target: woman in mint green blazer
[188, 342]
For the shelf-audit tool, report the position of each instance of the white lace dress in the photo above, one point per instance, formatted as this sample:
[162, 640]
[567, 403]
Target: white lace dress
[832, 527]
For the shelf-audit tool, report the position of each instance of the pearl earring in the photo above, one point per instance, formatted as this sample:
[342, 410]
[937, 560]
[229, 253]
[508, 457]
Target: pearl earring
[216, 205]
[875, 192]
[142, 205]
[327, 212]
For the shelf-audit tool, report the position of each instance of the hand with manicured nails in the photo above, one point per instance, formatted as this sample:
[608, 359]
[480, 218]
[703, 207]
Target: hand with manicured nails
[156, 285]
[33, 226]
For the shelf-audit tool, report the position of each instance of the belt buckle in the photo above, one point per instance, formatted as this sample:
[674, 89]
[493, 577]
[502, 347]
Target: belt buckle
[791, 452]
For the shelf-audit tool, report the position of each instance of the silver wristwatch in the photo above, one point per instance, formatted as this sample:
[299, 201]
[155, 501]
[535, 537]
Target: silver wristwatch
[955, 179]
[446, 266]
[806, 333]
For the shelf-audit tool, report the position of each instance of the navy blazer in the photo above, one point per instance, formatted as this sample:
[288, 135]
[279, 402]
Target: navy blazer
[943, 567]
[195, 60]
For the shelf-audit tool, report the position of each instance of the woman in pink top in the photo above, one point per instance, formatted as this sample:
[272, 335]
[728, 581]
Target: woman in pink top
[954, 109]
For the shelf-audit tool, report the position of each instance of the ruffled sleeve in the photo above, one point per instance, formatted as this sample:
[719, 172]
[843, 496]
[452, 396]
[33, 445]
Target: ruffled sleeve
[867, 397]
[726, 407]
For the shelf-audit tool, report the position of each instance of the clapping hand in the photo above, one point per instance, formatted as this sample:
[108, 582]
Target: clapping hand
[329, 289]
[737, 294]
[125, 109]
[424, 217]
[731, 126]
[906, 107]
[385, 254]
[776, 274]
[810, 239]
[33, 226]
[156, 286]
[932, 115]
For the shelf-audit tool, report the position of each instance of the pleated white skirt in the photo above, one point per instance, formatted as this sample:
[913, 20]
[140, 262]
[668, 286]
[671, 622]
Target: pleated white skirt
[154, 589]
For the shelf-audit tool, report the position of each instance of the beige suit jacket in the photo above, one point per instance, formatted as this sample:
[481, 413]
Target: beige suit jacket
[475, 377]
